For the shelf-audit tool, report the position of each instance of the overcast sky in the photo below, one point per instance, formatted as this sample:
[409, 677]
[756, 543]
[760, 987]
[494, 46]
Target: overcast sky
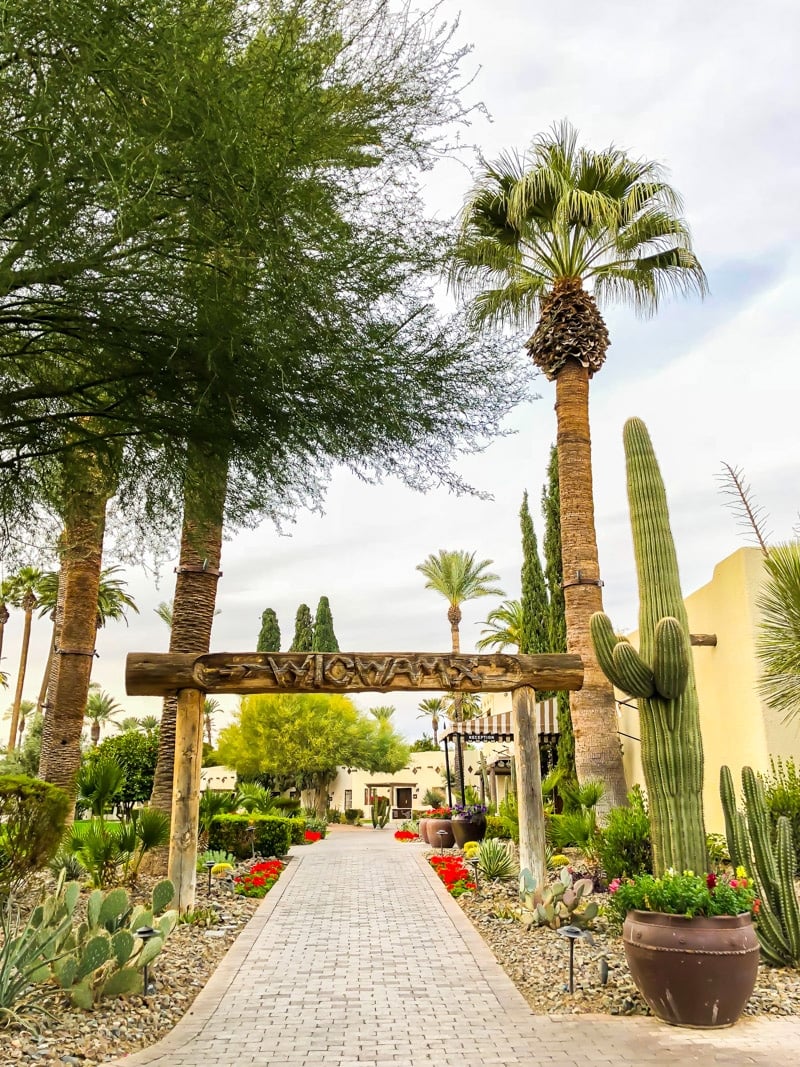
[710, 91]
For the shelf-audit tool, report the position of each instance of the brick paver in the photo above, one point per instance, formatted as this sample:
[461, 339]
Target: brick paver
[326, 973]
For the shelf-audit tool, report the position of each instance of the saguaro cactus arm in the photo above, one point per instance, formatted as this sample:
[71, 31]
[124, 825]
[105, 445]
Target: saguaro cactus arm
[671, 656]
[618, 659]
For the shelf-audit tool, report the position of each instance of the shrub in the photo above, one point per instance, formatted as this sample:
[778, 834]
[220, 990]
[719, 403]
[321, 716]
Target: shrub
[297, 829]
[782, 794]
[254, 798]
[317, 826]
[496, 826]
[33, 815]
[353, 815]
[136, 754]
[624, 847]
[212, 803]
[334, 816]
[287, 803]
[271, 835]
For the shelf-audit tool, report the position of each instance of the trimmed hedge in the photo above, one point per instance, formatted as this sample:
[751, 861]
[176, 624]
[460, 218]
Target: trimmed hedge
[298, 829]
[272, 837]
[33, 815]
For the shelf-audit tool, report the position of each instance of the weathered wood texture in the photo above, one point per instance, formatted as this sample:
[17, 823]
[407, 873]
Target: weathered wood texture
[529, 785]
[152, 674]
[703, 640]
[186, 797]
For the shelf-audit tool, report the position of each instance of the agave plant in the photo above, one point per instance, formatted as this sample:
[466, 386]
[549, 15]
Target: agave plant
[495, 860]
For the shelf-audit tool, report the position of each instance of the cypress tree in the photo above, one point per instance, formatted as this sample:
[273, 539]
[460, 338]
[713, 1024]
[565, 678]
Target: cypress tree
[324, 638]
[557, 620]
[535, 608]
[269, 636]
[303, 639]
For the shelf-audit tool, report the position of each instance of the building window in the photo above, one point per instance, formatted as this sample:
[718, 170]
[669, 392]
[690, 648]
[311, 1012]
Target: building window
[348, 799]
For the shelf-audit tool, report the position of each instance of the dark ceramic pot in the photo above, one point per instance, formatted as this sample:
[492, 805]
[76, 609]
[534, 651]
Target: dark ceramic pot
[473, 828]
[433, 828]
[423, 830]
[692, 972]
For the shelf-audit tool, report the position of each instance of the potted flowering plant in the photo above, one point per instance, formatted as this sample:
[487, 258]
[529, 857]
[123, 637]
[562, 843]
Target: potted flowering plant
[432, 823]
[469, 823]
[690, 943]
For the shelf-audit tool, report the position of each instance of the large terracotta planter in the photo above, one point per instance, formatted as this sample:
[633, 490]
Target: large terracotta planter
[692, 972]
[471, 829]
[432, 828]
[423, 830]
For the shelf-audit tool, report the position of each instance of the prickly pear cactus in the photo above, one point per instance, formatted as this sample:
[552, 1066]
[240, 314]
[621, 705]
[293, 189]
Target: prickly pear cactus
[660, 675]
[557, 903]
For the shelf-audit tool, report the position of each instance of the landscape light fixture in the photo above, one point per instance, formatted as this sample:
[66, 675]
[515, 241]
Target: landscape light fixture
[574, 933]
[145, 933]
[441, 834]
[473, 863]
[252, 831]
[209, 866]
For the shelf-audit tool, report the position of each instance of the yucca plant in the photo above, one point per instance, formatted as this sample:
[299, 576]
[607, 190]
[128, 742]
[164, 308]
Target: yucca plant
[495, 860]
[254, 797]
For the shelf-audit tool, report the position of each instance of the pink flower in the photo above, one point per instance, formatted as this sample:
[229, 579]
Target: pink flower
[614, 886]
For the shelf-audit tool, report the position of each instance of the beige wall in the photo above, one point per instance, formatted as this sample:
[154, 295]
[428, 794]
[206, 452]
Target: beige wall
[738, 728]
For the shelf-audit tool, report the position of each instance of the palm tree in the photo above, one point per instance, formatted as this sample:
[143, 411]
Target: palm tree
[541, 237]
[778, 644]
[503, 627]
[211, 708]
[383, 713]
[432, 708]
[113, 603]
[458, 578]
[149, 723]
[4, 615]
[100, 708]
[131, 724]
[21, 592]
[164, 612]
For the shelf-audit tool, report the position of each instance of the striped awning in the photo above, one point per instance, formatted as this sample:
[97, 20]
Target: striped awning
[500, 727]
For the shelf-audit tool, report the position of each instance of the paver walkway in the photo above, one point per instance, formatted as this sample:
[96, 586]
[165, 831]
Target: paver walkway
[325, 973]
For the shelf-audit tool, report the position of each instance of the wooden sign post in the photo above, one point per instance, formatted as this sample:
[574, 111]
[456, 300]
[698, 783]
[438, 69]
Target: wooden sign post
[192, 677]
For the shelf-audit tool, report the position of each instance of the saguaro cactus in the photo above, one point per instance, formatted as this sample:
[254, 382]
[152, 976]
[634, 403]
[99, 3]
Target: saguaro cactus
[771, 865]
[660, 675]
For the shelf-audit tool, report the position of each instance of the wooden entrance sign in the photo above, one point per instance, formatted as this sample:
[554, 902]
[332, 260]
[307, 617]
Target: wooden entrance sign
[193, 676]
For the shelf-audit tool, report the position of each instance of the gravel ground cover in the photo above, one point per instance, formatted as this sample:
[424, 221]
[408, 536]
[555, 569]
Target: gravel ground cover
[125, 1024]
[537, 961]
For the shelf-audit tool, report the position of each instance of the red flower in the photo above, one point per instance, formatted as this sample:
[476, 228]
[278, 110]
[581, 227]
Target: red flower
[711, 880]
[756, 906]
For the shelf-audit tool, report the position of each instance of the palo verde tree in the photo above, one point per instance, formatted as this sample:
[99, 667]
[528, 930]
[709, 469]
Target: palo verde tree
[545, 237]
[268, 313]
[305, 738]
[324, 638]
[269, 636]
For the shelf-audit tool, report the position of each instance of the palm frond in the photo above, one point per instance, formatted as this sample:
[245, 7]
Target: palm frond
[742, 503]
[778, 642]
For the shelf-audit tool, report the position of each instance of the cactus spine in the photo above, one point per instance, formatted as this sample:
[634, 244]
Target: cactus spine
[660, 675]
[771, 866]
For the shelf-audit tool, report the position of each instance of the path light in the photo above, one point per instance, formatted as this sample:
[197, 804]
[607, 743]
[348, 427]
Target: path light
[574, 933]
[145, 933]
[441, 834]
[252, 831]
[209, 866]
[473, 863]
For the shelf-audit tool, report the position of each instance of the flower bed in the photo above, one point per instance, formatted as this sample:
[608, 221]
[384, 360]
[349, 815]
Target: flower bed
[261, 877]
[453, 873]
[406, 835]
[310, 836]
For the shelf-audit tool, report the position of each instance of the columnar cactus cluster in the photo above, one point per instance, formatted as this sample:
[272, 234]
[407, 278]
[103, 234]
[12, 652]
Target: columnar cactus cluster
[770, 863]
[660, 675]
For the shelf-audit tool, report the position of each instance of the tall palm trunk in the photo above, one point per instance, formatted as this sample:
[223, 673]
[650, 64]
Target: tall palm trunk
[454, 618]
[91, 486]
[195, 595]
[593, 708]
[42, 698]
[28, 604]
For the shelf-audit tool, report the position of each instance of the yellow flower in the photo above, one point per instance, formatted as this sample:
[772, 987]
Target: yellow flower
[741, 872]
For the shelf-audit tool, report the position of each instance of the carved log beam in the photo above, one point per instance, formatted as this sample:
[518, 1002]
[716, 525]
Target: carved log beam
[153, 674]
[703, 640]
